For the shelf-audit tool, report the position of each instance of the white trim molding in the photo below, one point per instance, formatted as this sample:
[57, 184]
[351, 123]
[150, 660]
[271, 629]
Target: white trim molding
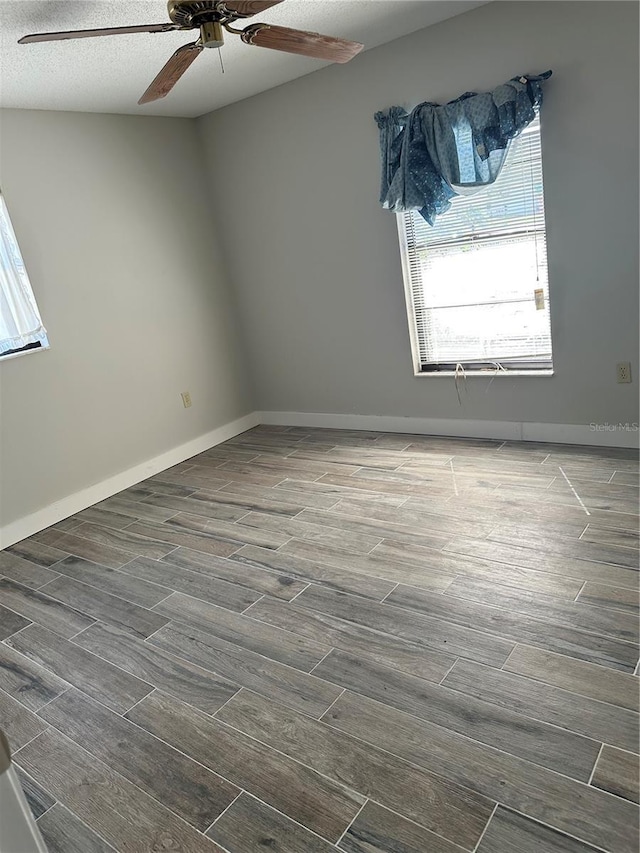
[48, 515]
[595, 434]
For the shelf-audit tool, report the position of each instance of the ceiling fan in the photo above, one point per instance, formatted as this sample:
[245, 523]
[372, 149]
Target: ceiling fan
[211, 17]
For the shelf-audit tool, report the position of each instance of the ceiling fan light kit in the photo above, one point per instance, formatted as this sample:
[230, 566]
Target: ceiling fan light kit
[211, 18]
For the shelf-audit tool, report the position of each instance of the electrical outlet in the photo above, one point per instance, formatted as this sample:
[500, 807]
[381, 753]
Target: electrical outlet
[624, 371]
[186, 399]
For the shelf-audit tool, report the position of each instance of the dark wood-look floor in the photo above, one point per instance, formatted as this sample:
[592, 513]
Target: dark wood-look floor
[316, 640]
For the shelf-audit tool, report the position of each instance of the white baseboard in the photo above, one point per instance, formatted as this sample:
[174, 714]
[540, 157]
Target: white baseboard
[606, 436]
[45, 517]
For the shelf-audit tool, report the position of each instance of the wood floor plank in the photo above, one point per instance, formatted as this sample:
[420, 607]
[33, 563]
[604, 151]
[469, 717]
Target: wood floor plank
[553, 563]
[357, 543]
[103, 516]
[557, 497]
[426, 559]
[136, 509]
[276, 643]
[322, 805]
[108, 684]
[564, 804]
[596, 619]
[378, 830]
[189, 790]
[41, 608]
[509, 831]
[195, 506]
[114, 808]
[599, 721]
[461, 479]
[417, 535]
[26, 681]
[514, 507]
[338, 491]
[443, 807]
[101, 605]
[126, 540]
[372, 565]
[36, 551]
[629, 478]
[495, 725]
[617, 773]
[175, 536]
[223, 453]
[428, 632]
[312, 571]
[37, 798]
[376, 482]
[241, 574]
[576, 549]
[18, 723]
[354, 457]
[250, 826]
[200, 687]
[153, 486]
[248, 669]
[205, 477]
[233, 533]
[192, 480]
[63, 832]
[113, 581]
[196, 584]
[10, 622]
[289, 466]
[606, 536]
[390, 667]
[273, 500]
[24, 571]
[578, 676]
[520, 628]
[357, 639]
[615, 597]
[80, 546]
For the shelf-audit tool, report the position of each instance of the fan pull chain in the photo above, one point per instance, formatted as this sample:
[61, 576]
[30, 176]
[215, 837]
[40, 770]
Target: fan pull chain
[221, 62]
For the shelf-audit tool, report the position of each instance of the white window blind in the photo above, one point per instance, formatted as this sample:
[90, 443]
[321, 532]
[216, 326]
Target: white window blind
[20, 324]
[477, 287]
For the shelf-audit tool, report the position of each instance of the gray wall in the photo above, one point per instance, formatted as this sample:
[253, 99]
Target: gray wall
[114, 224]
[315, 260]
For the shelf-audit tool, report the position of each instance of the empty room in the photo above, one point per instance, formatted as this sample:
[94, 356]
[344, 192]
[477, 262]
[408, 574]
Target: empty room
[319, 331]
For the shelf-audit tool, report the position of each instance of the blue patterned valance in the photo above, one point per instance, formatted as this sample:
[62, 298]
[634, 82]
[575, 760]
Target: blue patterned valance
[438, 151]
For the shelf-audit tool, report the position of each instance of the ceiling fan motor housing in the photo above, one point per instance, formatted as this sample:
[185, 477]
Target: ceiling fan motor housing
[193, 13]
[204, 14]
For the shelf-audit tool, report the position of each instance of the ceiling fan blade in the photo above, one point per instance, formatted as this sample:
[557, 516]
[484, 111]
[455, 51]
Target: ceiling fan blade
[172, 72]
[246, 8]
[298, 41]
[108, 31]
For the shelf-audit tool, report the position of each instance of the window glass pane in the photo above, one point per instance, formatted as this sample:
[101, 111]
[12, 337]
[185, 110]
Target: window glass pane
[478, 277]
[20, 323]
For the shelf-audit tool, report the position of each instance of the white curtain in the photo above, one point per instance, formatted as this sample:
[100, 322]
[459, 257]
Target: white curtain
[20, 322]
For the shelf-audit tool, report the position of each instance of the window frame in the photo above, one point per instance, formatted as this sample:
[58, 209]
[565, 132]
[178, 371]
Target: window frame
[448, 369]
[35, 346]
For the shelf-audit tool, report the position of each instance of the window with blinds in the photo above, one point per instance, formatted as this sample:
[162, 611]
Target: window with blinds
[476, 281]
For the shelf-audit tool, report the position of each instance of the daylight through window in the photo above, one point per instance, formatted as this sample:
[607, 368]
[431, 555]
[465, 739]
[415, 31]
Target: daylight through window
[477, 287]
[21, 328]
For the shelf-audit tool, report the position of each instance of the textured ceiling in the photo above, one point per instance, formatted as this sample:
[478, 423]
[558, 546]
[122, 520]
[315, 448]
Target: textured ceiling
[109, 74]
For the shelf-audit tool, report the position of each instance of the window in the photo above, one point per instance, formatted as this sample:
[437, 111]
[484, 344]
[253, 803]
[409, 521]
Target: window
[21, 328]
[476, 281]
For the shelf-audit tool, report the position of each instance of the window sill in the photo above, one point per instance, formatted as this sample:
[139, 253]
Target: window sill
[20, 353]
[483, 374]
